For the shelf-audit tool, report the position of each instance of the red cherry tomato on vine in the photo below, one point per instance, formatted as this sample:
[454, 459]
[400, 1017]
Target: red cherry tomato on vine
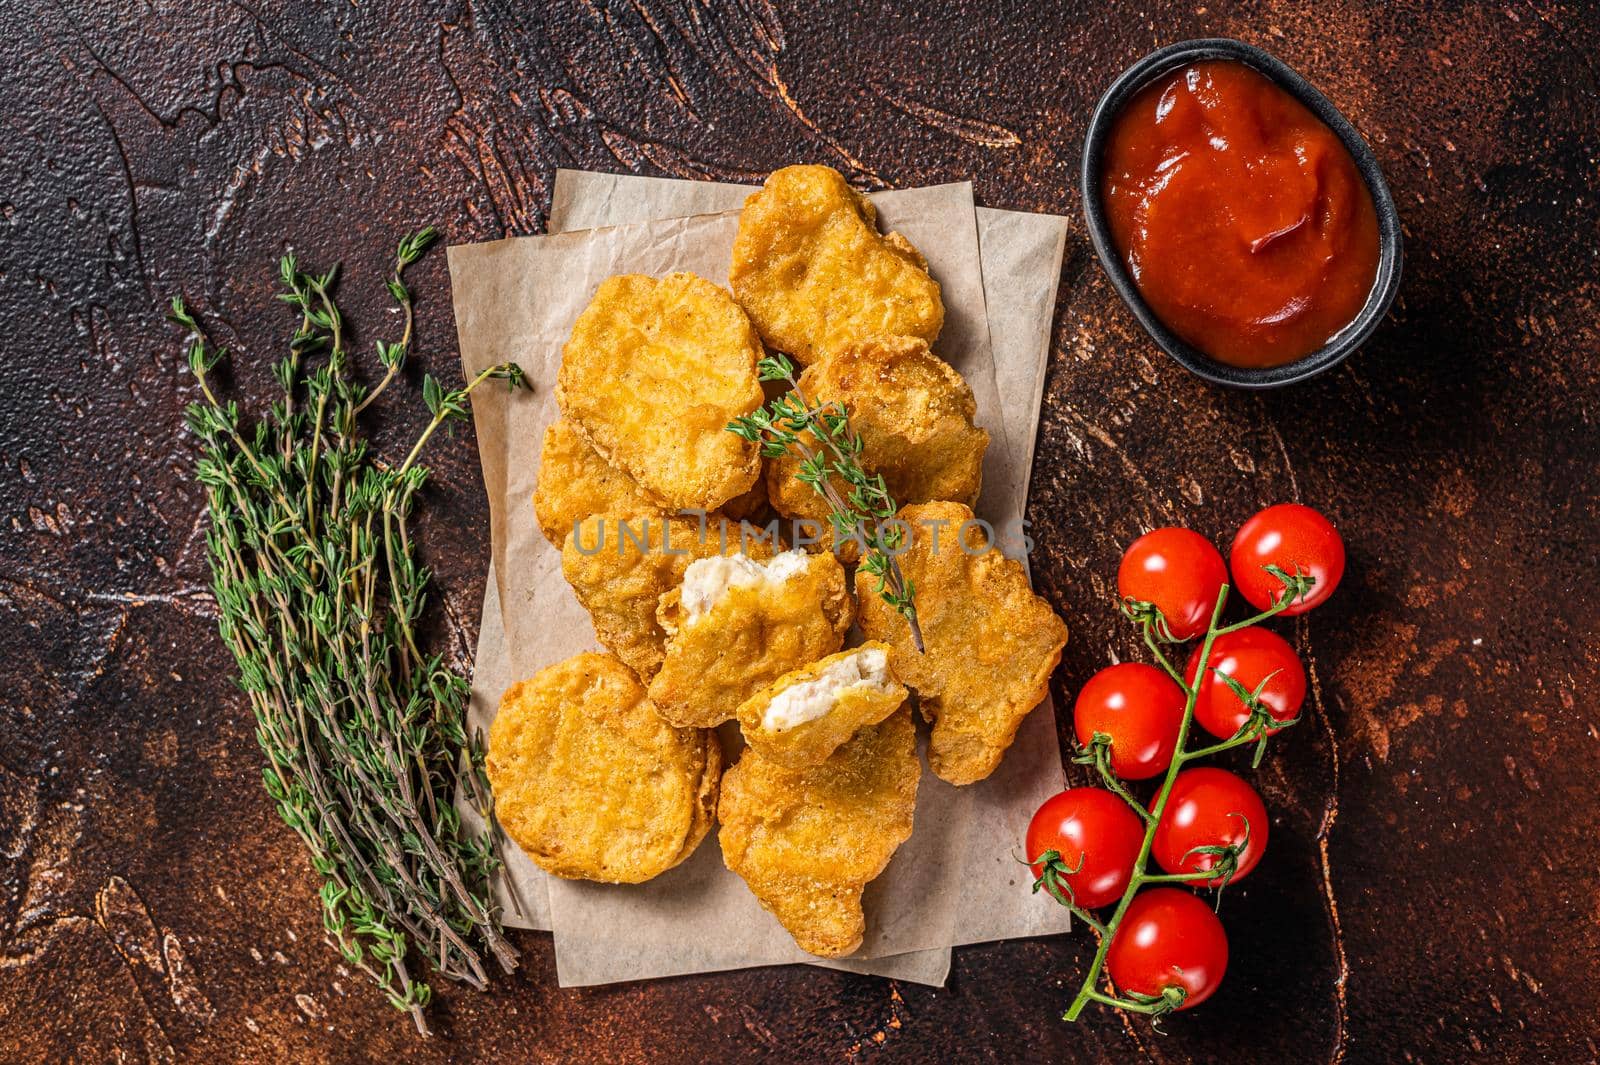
[1140, 708]
[1168, 938]
[1250, 656]
[1288, 535]
[1180, 572]
[1095, 829]
[1210, 808]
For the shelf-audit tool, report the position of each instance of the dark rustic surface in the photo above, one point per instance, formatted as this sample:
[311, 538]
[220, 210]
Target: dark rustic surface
[1432, 891]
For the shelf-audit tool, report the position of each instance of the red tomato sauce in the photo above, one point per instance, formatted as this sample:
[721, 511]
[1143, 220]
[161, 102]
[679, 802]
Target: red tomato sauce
[1241, 216]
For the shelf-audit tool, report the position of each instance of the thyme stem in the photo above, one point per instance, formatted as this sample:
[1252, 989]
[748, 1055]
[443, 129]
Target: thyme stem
[318, 592]
[783, 426]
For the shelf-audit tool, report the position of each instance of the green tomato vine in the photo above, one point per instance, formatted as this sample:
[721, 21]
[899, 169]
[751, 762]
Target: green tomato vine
[1256, 729]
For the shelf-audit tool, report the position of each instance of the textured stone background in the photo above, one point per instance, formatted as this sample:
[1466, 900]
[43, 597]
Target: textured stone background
[1432, 891]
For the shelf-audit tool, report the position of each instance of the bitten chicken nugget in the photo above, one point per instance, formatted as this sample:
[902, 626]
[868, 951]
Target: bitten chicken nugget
[575, 482]
[807, 841]
[814, 274]
[991, 644]
[619, 566]
[808, 714]
[737, 624]
[653, 373]
[590, 782]
[913, 412]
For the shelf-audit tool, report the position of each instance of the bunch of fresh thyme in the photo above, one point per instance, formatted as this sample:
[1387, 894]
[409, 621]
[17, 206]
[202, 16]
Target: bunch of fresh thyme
[318, 593]
[829, 449]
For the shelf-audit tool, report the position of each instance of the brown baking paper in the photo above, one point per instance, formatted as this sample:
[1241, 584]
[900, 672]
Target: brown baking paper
[516, 299]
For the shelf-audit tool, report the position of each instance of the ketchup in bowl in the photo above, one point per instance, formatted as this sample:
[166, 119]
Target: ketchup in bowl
[1242, 218]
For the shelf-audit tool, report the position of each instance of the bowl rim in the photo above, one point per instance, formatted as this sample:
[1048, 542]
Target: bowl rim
[1385, 284]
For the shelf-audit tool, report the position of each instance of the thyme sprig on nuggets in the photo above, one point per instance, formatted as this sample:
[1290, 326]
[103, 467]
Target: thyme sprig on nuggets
[318, 594]
[864, 511]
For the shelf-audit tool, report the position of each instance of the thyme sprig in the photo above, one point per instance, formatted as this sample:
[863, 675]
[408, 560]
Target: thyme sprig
[1258, 726]
[860, 507]
[319, 591]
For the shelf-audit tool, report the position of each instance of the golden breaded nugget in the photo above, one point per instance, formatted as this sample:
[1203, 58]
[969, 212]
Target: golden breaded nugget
[737, 624]
[653, 373]
[575, 482]
[590, 782]
[991, 644]
[619, 566]
[913, 412]
[814, 274]
[752, 506]
[808, 714]
[807, 841]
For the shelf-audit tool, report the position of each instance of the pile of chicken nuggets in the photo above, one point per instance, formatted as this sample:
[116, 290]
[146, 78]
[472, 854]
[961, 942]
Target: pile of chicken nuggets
[609, 767]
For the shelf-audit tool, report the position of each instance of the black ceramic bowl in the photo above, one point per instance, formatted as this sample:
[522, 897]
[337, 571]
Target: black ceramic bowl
[1384, 285]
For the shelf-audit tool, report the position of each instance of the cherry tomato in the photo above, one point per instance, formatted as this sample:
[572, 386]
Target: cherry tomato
[1286, 536]
[1140, 708]
[1249, 656]
[1168, 938]
[1094, 827]
[1209, 808]
[1180, 572]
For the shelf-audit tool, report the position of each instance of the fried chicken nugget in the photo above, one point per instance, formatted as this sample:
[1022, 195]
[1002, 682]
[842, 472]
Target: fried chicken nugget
[913, 412]
[737, 624]
[814, 274]
[752, 507]
[651, 376]
[808, 714]
[808, 841]
[991, 644]
[619, 566]
[575, 481]
[590, 782]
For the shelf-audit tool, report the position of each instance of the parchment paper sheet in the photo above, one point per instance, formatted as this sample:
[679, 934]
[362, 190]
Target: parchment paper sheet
[1021, 254]
[954, 882]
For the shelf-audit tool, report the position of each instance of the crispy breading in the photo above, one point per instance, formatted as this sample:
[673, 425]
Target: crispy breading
[651, 376]
[991, 643]
[807, 841]
[843, 693]
[753, 506]
[914, 414]
[752, 635]
[619, 566]
[590, 782]
[575, 482]
[814, 274]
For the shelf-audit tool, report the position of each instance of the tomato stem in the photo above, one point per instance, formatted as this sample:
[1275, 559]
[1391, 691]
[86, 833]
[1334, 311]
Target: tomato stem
[1155, 649]
[1244, 736]
[1178, 878]
[1102, 762]
[1271, 612]
[1087, 918]
[1128, 1003]
[1088, 992]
